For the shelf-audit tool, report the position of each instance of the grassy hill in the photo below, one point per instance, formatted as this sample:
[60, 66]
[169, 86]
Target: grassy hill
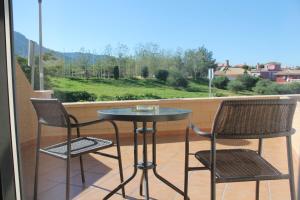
[124, 89]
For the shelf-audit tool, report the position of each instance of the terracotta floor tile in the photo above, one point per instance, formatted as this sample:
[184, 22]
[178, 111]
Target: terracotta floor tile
[102, 173]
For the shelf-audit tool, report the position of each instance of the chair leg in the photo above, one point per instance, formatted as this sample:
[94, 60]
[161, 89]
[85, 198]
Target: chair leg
[82, 170]
[257, 182]
[213, 187]
[291, 168]
[186, 165]
[36, 176]
[37, 159]
[213, 169]
[80, 157]
[68, 164]
[257, 191]
[68, 179]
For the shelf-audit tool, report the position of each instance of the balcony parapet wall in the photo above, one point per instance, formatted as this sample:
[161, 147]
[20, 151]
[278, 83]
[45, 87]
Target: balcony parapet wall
[203, 109]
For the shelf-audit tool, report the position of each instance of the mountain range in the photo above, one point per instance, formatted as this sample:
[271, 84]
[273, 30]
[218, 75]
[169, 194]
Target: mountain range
[21, 49]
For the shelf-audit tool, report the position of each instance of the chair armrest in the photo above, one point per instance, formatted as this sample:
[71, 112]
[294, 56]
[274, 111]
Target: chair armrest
[77, 124]
[199, 132]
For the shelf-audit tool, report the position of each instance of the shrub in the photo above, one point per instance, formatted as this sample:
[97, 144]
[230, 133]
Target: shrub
[219, 94]
[220, 82]
[162, 75]
[202, 80]
[295, 87]
[145, 72]
[136, 97]
[23, 64]
[178, 80]
[248, 81]
[116, 72]
[236, 86]
[127, 97]
[151, 96]
[194, 89]
[105, 98]
[74, 96]
[266, 87]
[289, 88]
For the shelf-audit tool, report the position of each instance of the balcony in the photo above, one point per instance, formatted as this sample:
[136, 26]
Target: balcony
[102, 173]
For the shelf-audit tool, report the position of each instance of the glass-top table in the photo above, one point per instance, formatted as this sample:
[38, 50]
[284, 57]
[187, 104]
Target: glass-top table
[151, 116]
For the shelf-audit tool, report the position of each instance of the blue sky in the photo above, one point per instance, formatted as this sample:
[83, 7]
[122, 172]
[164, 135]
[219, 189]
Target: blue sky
[243, 31]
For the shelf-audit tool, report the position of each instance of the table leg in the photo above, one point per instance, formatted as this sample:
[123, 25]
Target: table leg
[141, 184]
[135, 166]
[145, 161]
[154, 164]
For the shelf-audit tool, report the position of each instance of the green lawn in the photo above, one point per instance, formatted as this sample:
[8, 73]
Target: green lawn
[150, 88]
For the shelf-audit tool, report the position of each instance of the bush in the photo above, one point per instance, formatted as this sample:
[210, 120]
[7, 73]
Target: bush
[127, 97]
[24, 66]
[136, 97]
[202, 80]
[145, 72]
[116, 72]
[236, 86]
[74, 96]
[105, 98]
[289, 88]
[178, 80]
[266, 87]
[162, 75]
[248, 81]
[194, 89]
[219, 94]
[221, 82]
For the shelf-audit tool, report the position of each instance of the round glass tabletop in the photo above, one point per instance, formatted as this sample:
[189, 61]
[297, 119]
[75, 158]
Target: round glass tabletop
[131, 114]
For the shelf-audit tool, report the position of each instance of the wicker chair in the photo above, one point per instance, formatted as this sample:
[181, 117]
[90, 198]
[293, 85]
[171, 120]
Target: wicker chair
[245, 119]
[51, 112]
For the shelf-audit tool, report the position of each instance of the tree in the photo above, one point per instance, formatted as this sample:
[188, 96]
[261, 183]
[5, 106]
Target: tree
[145, 72]
[116, 72]
[246, 68]
[83, 62]
[198, 61]
[48, 56]
[178, 60]
[122, 52]
[162, 75]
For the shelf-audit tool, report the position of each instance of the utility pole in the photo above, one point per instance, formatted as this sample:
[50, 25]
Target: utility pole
[31, 60]
[210, 77]
[41, 68]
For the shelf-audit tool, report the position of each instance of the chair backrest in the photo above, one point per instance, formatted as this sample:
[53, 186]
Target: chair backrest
[50, 112]
[254, 119]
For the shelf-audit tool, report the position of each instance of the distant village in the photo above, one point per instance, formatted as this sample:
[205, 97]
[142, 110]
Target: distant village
[271, 70]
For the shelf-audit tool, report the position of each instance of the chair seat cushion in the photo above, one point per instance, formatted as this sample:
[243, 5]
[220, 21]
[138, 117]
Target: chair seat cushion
[240, 165]
[79, 146]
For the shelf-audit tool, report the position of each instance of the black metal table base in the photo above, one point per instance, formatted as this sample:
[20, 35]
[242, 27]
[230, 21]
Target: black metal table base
[145, 165]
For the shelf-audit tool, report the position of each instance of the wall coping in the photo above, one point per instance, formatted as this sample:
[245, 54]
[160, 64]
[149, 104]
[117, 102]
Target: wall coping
[162, 101]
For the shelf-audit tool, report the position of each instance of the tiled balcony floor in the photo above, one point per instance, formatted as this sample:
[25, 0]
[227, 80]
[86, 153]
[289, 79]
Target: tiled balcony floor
[102, 173]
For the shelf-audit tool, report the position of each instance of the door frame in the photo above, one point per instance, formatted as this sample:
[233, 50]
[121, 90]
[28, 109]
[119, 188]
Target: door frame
[9, 152]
